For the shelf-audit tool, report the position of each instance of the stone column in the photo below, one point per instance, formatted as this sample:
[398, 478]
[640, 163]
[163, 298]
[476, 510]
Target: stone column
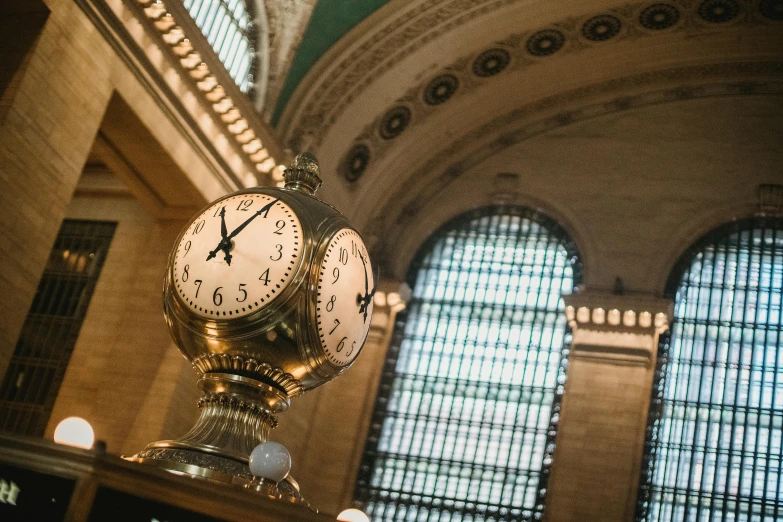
[600, 440]
[48, 120]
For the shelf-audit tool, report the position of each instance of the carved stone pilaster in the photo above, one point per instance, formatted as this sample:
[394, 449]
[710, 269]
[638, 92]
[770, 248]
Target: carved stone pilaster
[617, 328]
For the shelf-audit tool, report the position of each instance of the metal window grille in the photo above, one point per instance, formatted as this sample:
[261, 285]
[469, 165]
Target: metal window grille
[716, 418]
[464, 423]
[229, 29]
[49, 334]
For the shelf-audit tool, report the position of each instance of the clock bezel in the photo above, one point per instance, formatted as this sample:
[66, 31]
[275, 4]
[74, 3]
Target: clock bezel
[287, 269]
[230, 327]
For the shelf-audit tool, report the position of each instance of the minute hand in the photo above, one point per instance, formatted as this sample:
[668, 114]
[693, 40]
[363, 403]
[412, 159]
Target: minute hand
[248, 220]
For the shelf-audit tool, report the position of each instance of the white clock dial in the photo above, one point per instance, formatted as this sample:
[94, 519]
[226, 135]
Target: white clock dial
[237, 256]
[344, 300]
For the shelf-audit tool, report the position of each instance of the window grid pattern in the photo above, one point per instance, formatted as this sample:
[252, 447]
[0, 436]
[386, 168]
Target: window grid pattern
[469, 401]
[228, 27]
[716, 419]
[52, 326]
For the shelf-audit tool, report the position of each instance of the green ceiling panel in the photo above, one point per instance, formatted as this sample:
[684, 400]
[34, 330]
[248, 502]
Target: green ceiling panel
[331, 19]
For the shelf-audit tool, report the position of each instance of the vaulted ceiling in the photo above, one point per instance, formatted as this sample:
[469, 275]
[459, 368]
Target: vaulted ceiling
[422, 96]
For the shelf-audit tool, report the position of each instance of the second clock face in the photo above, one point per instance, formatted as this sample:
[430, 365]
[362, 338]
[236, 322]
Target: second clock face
[344, 299]
[237, 256]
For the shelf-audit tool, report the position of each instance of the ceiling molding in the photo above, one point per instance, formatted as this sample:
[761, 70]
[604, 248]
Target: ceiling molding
[395, 208]
[331, 88]
[378, 43]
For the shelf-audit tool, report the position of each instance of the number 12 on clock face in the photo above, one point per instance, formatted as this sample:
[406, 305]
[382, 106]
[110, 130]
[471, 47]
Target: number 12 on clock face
[346, 287]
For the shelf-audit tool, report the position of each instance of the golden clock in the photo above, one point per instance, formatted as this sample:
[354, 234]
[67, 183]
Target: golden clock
[268, 292]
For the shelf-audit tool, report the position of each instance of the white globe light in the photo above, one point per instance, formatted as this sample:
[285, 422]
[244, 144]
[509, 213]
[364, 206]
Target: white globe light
[352, 515]
[74, 431]
[270, 460]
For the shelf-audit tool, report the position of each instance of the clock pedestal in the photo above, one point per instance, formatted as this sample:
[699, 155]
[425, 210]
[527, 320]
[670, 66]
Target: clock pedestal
[237, 414]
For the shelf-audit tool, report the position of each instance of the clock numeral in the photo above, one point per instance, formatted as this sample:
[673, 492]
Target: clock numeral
[217, 211]
[244, 204]
[187, 249]
[198, 284]
[336, 324]
[279, 252]
[330, 304]
[341, 345]
[199, 227]
[280, 225]
[353, 345]
[185, 274]
[244, 297]
[266, 209]
[354, 249]
[336, 274]
[265, 277]
[343, 256]
[217, 297]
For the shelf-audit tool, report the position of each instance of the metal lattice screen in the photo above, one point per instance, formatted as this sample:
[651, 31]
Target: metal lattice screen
[49, 334]
[464, 423]
[716, 419]
[228, 27]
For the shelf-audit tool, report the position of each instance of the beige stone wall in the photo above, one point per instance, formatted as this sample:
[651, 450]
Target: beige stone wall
[50, 117]
[599, 442]
[48, 129]
[125, 376]
[74, 97]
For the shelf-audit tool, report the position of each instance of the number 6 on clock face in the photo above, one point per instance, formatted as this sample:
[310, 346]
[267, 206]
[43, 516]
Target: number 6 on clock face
[346, 287]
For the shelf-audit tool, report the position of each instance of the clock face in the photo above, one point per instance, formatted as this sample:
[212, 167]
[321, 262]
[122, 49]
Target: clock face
[344, 299]
[237, 256]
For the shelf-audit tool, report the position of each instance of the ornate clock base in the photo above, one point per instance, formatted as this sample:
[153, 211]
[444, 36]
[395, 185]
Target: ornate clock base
[219, 469]
[237, 413]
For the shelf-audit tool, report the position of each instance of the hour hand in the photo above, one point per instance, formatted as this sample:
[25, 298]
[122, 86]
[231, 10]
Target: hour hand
[364, 301]
[223, 232]
[225, 246]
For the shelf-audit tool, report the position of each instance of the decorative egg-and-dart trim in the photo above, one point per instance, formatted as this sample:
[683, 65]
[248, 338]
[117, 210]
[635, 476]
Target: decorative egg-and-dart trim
[526, 49]
[262, 415]
[213, 362]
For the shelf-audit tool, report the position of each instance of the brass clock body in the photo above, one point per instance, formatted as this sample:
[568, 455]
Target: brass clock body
[282, 332]
[268, 293]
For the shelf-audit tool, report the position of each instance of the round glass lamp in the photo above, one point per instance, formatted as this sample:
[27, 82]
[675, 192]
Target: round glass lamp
[74, 431]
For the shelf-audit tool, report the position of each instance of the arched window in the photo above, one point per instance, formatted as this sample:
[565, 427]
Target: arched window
[464, 423]
[228, 27]
[716, 418]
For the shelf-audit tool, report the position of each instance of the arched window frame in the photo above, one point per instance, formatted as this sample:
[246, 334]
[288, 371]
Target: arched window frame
[552, 230]
[711, 501]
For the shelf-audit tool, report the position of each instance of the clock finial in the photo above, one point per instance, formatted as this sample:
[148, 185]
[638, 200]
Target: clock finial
[303, 174]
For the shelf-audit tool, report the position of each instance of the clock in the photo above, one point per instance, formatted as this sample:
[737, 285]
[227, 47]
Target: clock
[237, 256]
[268, 293]
[344, 298]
